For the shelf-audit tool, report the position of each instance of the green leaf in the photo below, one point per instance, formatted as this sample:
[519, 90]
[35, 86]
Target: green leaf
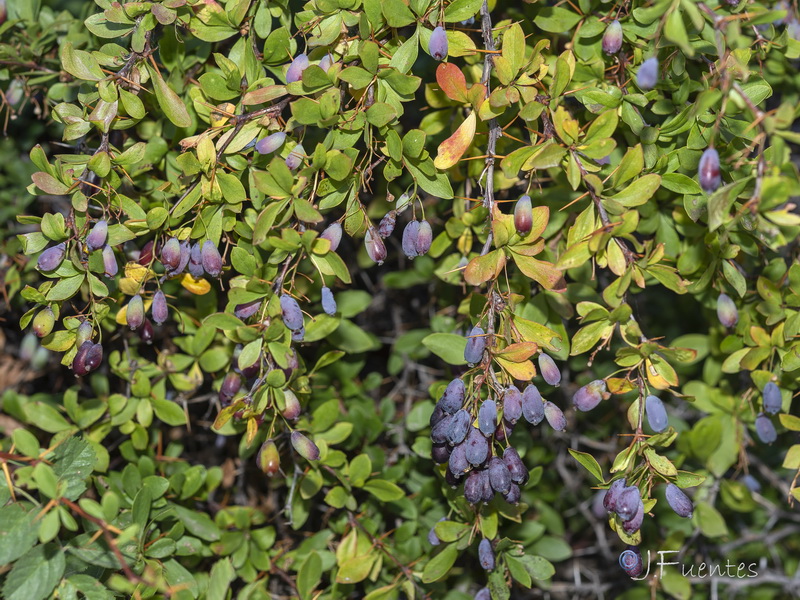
[638, 192]
[589, 463]
[168, 411]
[383, 490]
[197, 523]
[447, 346]
[35, 575]
[18, 532]
[397, 13]
[440, 565]
[73, 462]
[170, 102]
[222, 574]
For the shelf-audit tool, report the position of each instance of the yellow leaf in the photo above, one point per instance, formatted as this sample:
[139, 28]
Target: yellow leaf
[137, 272]
[519, 352]
[198, 287]
[453, 148]
[486, 267]
[524, 371]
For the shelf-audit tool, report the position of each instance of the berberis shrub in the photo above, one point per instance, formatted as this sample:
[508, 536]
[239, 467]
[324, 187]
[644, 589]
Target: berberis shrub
[377, 298]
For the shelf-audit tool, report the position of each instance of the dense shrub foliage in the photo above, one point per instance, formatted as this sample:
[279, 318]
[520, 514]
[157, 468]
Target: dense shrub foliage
[399, 299]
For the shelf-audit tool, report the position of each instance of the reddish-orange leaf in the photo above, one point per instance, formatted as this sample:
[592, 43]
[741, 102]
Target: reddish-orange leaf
[453, 148]
[452, 81]
[483, 268]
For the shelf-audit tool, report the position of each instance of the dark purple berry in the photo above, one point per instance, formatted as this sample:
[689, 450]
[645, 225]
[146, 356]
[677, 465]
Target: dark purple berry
[631, 562]
[246, 310]
[516, 468]
[499, 475]
[628, 503]
[230, 386]
[290, 312]
[459, 426]
[486, 555]
[513, 495]
[93, 357]
[440, 453]
[186, 252]
[473, 488]
[488, 492]
[679, 501]
[453, 396]
[452, 480]
[97, 236]
[512, 404]
[146, 332]
[437, 415]
[52, 257]
[487, 417]
[554, 416]
[476, 344]
[532, 405]
[298, 334]
[440, 430]
[635, 523]
[457, 463]
[477, 447]
[613, 493]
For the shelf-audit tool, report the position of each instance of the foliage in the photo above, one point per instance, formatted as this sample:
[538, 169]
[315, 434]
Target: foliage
[588, 199]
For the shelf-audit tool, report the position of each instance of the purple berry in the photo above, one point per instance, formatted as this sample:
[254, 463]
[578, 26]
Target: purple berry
[772, 401]
[110, 267]
[589, 396]
[635, 523]
[185, 256]
[483, 593]
[628, 503]
[486, 555]
[476, 344]
[612, 38]
[290, 312]
[512, 404]
[332, 233]
[656, 414]
[647, 74]
[376, 250]
[613, 493]
[440, 430]
[679, 501]
[488, 492]
[196, 261]
[328, 301]
[229, 388]
[473, 488]
[708, 171]
[296, 68]
[291, 405]
[765, 429]
[304, 446]
[477, 447]
[134, 314]
[296, 156]
[437, 46]
[453, 396]
[52, 257]
[212, 261]
[271, 143]
[532, 405]
[326, 62]
[409, 240]
[499, 476]
[550, 372]
[97, 236]
[631, 562]
[487, 417]
[386, 226]
[159, 308]
[458, 463]
[440, 453]
[171, 254]
[146, 332]
[554, 416]
[523, 215]
[424, 238]
[246, 310]
[459, 426]
[515, 466]
[726, 311]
